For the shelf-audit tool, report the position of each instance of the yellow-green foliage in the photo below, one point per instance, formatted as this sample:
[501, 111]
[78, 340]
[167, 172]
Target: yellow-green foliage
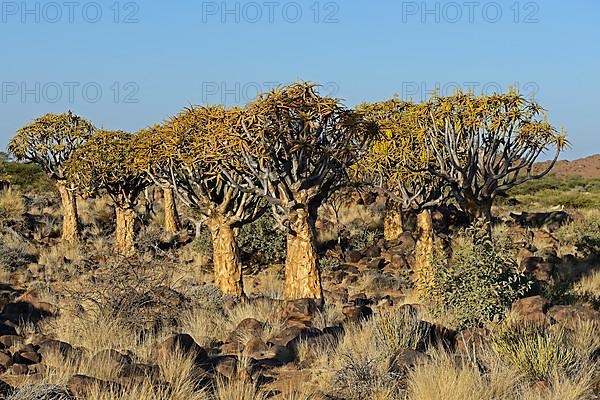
[50, 140]
[105, 163]
[398, 158]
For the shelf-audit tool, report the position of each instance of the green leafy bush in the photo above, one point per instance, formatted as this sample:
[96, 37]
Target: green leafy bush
[26, 177]
[583, 233]
[479, 280]
[263, 241]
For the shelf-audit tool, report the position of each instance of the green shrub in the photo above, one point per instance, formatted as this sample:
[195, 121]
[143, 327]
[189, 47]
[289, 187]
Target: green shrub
[583, 233]
[362, 236]
[479, 280]
[203, 243]
[27, 177]
[539, 352]
[263, 241]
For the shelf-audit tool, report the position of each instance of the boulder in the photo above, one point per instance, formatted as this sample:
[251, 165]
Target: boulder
[300, 310]
[531, 309]
[404, 359]
[570, 315]
[355, 314]
[184, 344]
[82, 385]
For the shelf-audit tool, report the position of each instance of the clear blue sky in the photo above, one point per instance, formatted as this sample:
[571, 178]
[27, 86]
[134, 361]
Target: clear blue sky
[176, 53]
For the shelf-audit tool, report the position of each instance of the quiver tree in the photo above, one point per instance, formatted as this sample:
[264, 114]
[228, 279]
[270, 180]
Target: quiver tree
[105, 165]
[186, 154]
[398, 163]
[292, 148]
[485, 145]
[49, 141]
[149, 144]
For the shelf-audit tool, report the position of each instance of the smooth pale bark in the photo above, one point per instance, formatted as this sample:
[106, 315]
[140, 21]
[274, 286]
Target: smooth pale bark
[226, 257]
[70, 229]
[171, 216]
[302, 277]
[124, 233]
[423, 272]
[393, 221]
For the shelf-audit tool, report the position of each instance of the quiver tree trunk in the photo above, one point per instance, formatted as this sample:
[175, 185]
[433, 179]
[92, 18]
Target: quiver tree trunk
[70, 229]
[423, 270]
[171, 216]
[124, 233]
[302, 278]
[393, 220]
[226, 257]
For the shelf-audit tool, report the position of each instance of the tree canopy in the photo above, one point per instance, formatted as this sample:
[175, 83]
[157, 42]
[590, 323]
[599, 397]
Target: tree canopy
[50, 140]
[105, 164]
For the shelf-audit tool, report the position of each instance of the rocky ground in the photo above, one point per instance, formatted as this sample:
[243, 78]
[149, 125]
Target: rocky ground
[82, 323]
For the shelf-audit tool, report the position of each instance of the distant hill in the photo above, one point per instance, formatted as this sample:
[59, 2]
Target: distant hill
[587, 167]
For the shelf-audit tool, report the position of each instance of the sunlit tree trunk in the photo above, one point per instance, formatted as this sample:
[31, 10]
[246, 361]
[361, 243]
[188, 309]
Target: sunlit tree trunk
[393, 220]
[124, 233]
[423, 272]
[171, 216]
[226, 257]
[302, 278]
[70, 229]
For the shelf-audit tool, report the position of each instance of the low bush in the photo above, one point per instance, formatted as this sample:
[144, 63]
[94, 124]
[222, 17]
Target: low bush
[583, 233]
[479, 280]
[263, 241]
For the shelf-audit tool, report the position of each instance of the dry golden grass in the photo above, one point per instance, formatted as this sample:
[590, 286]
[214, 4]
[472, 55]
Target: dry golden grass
[12, 205]
[443, 378]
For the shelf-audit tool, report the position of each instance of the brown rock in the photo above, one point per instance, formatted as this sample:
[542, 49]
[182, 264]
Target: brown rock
[139, 370]
[184, 344]
[471, 340]
[300, 310]
[5, 359]
[404, 359]
[81, 385]
[356, 314]
[247, 328]
[11, 340]
[570, 315]
[531, 309]
[112, 358]
[27, 358]
[19, 369]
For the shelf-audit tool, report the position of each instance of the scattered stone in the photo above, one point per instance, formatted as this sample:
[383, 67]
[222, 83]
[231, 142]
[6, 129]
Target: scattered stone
[11, 340]
[184, 344]
[531, 309]
[300, 310]
[404, 359]
[471, 340]
[5, 359]
[27, 358]
[570, 315]
[19, 369]
[355, 314]
[113, 358]
[139, 370]
[81, 385]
